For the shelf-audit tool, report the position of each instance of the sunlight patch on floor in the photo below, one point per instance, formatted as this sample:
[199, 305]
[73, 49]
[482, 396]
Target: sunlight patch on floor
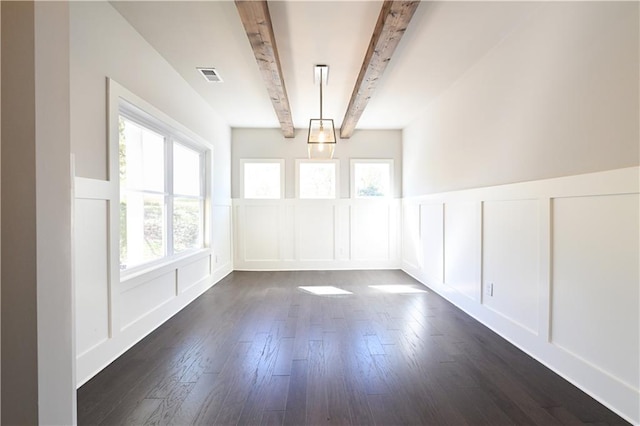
[324, 290]
[397, 288]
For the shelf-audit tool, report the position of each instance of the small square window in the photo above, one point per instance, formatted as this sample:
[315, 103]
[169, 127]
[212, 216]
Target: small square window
[317, 178]
[371, 178]
[262, 179]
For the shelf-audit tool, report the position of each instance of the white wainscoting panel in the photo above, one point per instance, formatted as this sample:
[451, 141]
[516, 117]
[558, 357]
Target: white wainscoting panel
[595, 282]
[141, 299]
[563, 256]
[261, 230]
[293, 234]
[91, 269]
[432, 237]
[193, 273]
[222, 232]
[343, 232]
[461, 250]
[370, 231]
[510, 248]
[315, 230]
[112, 315]
[411, 248]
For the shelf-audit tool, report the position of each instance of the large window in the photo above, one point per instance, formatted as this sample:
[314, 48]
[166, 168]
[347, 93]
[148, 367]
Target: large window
[317, 178]
[162, 191]
[371, 178]
[262, 178]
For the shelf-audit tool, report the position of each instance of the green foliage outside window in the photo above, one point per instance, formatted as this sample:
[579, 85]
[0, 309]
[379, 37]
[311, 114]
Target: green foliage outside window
[144, 219]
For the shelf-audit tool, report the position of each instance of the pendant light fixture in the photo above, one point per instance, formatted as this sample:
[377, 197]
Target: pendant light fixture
[321, 141]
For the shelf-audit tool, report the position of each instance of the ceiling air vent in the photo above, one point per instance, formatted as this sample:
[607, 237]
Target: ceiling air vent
[211, 75]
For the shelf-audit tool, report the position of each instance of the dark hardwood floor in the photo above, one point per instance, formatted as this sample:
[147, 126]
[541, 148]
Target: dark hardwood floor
[257, 350]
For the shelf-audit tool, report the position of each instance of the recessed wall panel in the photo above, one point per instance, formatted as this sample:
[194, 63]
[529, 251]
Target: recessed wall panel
[595, 282]
[193, 273]
[343, 234]
[142, 299]
[287, 232]
[462, 247]
[222, 234]
[316, 231]
[511, 260]
[370, 231]
[411, 234]
[432, 238]
[261, 240]
[91, 273]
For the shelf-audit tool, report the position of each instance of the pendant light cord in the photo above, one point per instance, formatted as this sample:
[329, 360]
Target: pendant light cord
[321, 93]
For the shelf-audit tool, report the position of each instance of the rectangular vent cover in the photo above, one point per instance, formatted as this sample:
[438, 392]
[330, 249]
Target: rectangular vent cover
[211, 75]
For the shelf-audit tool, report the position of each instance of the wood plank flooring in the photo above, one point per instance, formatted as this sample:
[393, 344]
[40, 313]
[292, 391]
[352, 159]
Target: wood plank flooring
[256, 350]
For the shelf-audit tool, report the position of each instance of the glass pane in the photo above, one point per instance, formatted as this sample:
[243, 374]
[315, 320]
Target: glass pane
[372, 179]
[142, 229]
[186, 171]
[321, 151]
[262, 180]
[187, 224]
[141, 153]
[317, 180]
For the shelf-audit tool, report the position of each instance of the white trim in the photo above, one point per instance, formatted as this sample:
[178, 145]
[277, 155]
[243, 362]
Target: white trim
[143, 108]
[288, 249]
[126, 104]
[119, 337]
[610, 182]
[336, 162]
[279, 161]
[352, 175]
[612, 391]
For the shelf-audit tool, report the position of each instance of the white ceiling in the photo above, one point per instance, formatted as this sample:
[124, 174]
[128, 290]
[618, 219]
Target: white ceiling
[443, 41]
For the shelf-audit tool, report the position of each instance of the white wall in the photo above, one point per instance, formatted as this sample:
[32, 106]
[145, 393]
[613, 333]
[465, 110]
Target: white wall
[295, 234]
[563, 258]
[316, 234]
[269, 143]
[56, 341]
[112, 314]
[557, 96]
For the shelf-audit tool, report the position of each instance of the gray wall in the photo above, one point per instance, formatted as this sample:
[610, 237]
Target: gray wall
[269, 143]
[558, 96]
[19, 316]
[103, 44]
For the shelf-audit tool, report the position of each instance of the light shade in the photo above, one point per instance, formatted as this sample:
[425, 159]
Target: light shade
[321, 140]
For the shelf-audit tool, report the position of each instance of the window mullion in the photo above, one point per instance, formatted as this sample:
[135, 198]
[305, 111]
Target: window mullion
[169, 193]
[203, 207]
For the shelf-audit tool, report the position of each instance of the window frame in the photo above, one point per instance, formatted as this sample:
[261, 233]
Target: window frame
[352, 176]
[336, 162]
[279, 161]
[137, 111]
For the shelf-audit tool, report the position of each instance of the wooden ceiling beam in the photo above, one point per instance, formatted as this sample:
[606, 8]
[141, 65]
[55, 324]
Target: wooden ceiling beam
[257, 24]
[392, 22]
